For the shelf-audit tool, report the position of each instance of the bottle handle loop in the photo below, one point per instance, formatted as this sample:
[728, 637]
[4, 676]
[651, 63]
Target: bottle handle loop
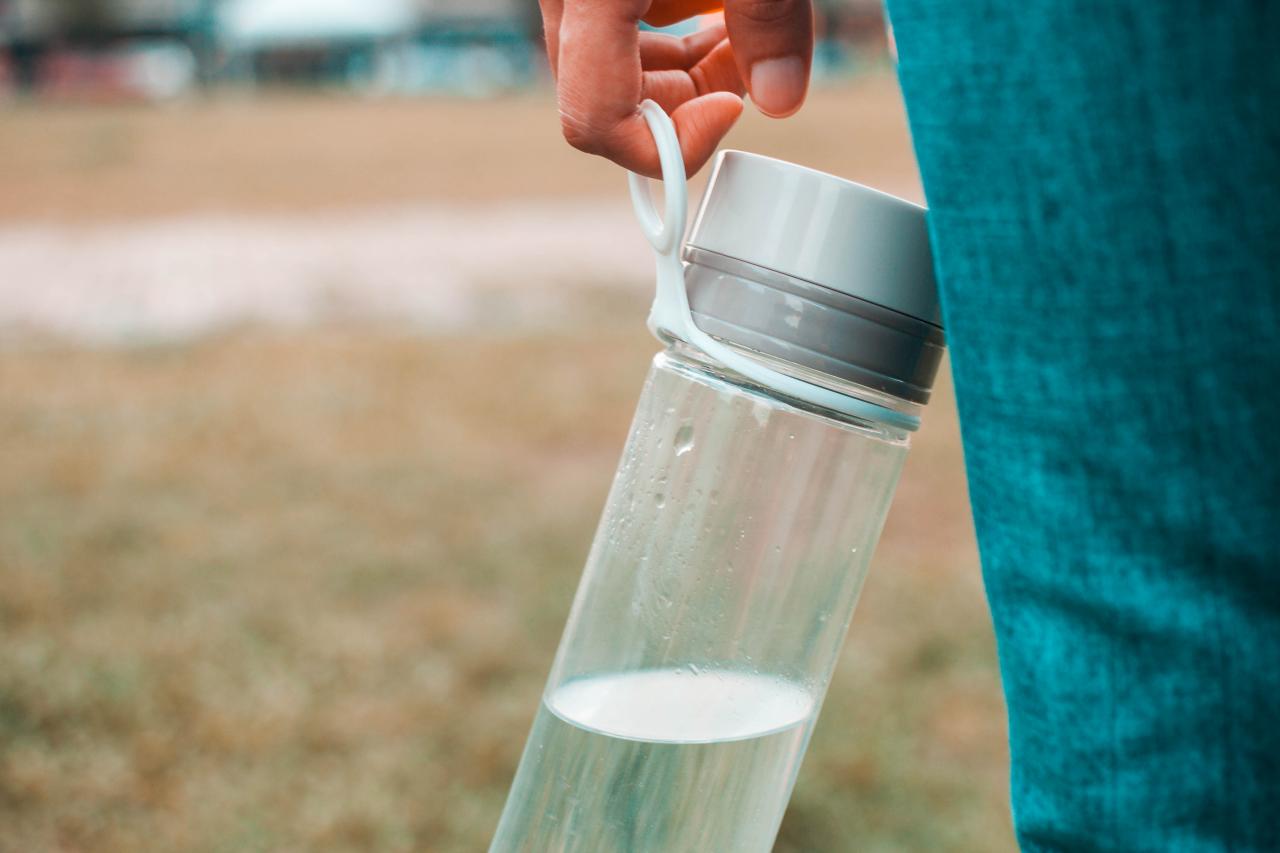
[670, 317]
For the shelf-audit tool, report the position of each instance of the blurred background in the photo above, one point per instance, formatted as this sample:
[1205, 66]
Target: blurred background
[318, 347]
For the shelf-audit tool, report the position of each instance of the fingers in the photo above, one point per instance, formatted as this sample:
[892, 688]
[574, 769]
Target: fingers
[718, 71]
[601, 83]
[715, 72]
[700, 125]
[773, 45]
[658, 51]
[599, 79]
[551, 12]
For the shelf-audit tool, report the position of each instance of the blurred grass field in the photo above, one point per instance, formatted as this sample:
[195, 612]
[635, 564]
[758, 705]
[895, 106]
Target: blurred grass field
[298, 589]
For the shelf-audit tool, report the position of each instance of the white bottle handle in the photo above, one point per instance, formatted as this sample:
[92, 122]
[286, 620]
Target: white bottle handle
[670, 316]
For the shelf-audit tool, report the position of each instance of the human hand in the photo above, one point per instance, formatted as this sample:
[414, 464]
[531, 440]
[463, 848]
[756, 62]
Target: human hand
[604, 67]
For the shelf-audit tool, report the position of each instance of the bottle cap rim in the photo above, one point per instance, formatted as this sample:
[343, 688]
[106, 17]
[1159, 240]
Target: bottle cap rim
[811, 225]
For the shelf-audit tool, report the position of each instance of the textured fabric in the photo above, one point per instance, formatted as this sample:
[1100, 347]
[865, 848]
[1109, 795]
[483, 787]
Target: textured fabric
[1104, 186]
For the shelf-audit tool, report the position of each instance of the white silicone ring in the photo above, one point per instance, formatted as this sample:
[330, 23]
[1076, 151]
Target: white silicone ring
[666, 234]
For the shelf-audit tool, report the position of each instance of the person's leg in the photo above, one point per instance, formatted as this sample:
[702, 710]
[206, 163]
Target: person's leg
[1104, 190]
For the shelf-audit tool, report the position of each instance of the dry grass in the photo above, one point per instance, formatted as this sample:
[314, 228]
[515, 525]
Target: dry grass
[276, 592]
[299, 591]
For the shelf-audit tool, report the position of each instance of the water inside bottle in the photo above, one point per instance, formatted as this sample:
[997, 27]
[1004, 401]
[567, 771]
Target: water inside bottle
[666, 760]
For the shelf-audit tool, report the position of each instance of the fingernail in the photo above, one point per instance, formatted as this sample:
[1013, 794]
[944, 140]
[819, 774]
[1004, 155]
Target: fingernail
[777, 85]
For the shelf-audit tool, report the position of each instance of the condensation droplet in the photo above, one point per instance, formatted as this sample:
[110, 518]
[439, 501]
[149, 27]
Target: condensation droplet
[660, 499]
[693, 668]
[684, 439]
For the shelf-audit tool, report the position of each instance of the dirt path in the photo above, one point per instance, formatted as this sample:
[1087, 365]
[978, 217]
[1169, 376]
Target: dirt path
[429, 267]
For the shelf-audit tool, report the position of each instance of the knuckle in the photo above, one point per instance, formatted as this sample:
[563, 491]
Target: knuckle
[579, 134]
[769, 11]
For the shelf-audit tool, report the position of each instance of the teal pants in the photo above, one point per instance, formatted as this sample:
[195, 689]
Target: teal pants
[1104, 189]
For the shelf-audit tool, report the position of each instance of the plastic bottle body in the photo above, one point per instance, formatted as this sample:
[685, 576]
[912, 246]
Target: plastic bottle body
[714, 603]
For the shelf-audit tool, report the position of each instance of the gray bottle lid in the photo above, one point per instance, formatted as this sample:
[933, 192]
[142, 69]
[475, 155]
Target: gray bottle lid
[728, 294]
[825, 230]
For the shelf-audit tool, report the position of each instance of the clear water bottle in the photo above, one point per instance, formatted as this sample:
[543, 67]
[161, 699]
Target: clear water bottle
[802, 342]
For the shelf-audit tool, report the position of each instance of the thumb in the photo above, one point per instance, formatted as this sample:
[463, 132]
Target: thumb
[773, 44]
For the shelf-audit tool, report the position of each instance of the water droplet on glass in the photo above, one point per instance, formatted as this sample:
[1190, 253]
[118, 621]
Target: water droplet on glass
[684, 439]
[693, 668]
[660, 499]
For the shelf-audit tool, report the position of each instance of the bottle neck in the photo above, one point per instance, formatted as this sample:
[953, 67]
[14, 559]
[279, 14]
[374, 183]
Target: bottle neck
[827, 335]
[694, 358]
